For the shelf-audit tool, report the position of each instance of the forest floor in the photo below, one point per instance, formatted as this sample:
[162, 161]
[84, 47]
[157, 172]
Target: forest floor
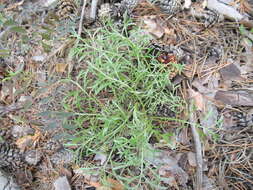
[144, 99]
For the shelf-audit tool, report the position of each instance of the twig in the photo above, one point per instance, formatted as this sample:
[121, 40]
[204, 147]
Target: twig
[198, 147]
[93, 11]
[62, 47]
[80, 28]
[81, 19]
[10, 108]
[14, 6]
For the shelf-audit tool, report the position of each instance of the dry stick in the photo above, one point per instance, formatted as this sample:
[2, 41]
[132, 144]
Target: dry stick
[198, 147]
[93, 11]
[81, 19]
[80, 28]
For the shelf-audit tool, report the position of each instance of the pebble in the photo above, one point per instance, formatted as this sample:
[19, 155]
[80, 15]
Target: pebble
[62, 183]
[7, 182]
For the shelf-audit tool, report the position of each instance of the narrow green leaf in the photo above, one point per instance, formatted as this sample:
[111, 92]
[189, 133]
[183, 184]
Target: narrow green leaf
[68, 126]
[45, 113]
[9, 23]
[18, 29]
[4, 52]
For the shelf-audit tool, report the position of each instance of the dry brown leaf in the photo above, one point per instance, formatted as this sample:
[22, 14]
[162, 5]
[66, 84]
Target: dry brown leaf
[230, 72]
[183, 136]
[27, 141]
[7, 92]
[116, 185]
[103, 188]
[60, 67]
[24, 142]
[209, 183]
[192, 159]
[208, 119]
[94, 184]
[197, 83]
[235, 98]
[153, 27]
[14, 6]
[198, 99]
[158, 158]
[174, 175]
[90, 179]
[65, 172]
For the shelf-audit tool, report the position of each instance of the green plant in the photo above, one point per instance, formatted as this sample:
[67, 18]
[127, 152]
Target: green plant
[115, 102]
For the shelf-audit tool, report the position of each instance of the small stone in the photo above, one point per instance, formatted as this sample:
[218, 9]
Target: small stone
[7, 182]
[101, 158]
[62, 183]
[24, 99]
[38, 58]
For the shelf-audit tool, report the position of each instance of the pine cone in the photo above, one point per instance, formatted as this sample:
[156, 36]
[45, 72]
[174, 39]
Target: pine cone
[10, 157]
[170, 7]
[128, 6]
[104, 11]
[66, 8]
[163, 110]
[5, 134]
[240, 119]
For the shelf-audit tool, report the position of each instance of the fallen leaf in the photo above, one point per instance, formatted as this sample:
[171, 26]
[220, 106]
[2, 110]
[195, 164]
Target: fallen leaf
[103, 188]
[235, 98]
[173, 175]
[7, 92]
[198, 99]
[153, 27]
[60, 67]
[198, 85]
[192, 159]
[12, 107]
[230, 72]
[115, 185]
[91, 176]
[158, 158]
[209, 184]
[24, 142]
[209, 118]
[27, 141]
[66, 172]
[101, 158]
[183, 136]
